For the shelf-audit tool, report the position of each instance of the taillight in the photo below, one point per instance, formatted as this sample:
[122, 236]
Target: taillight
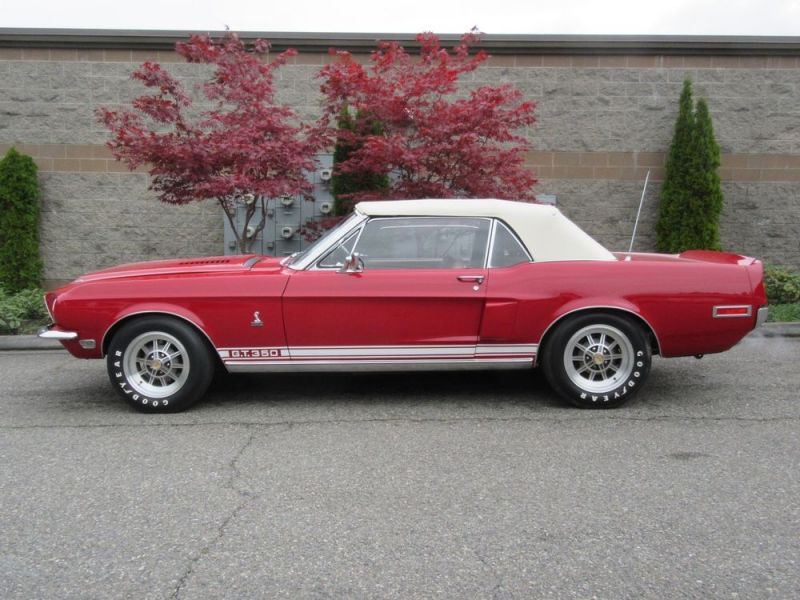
[744, 310]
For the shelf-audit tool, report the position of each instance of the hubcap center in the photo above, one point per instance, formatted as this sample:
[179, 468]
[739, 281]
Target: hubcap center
[598, 358]
[157, 362]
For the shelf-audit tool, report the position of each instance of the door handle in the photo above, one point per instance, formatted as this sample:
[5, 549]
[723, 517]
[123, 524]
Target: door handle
[471, 278]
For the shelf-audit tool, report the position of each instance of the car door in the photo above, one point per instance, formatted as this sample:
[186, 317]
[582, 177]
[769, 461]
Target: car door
[416, 295]
[513, 300]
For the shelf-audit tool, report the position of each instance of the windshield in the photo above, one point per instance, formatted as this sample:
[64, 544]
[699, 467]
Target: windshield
[329, 235]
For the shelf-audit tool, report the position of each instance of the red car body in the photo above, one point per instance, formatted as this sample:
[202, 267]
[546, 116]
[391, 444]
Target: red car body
[674, 295]
[263, 314]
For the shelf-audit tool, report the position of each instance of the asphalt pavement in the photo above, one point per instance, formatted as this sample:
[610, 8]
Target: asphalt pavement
[470, 485]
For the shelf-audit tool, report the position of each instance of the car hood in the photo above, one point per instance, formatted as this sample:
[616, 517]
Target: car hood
[185, 266]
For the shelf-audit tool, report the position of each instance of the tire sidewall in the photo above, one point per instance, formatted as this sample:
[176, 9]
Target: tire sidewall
[201, 367]
[560, 381]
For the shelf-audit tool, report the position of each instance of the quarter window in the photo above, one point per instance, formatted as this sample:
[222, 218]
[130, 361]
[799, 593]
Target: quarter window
[336, 257]
[506, 250]
[424, 243]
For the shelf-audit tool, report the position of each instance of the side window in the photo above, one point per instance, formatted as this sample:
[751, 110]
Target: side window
[424, 243]
[506, 250]
[335, 258]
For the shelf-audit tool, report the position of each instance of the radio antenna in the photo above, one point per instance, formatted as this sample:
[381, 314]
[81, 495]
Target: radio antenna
[639, 212]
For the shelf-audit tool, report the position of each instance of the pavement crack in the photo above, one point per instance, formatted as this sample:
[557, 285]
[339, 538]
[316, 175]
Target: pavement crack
[245, 497]
[420, 420]
[498, 589]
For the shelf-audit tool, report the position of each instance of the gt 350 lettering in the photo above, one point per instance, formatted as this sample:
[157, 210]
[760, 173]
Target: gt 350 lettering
[256, 353]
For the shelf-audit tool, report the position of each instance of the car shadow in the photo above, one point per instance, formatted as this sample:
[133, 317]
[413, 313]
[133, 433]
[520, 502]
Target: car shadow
[475, 387]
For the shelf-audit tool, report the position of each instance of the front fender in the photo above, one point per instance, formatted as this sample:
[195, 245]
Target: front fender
[155, 308]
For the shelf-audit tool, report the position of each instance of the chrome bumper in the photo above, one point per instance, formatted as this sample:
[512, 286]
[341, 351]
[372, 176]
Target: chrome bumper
[48, 334]
[761, 317]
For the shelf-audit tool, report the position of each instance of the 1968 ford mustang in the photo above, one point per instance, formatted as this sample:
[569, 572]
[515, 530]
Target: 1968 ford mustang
[418, 284]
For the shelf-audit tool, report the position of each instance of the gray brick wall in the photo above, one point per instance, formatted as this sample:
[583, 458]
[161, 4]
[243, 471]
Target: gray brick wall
[602, 109]
[95, 219]
[759, 219]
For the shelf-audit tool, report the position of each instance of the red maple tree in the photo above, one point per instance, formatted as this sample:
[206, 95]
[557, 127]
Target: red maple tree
[433, 141]
[245, 148]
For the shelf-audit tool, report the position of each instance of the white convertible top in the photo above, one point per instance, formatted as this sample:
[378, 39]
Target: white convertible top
[548, 234]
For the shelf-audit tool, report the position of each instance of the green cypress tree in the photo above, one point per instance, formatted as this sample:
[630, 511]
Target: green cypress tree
[343, 185]
[691, 197]
[675, 194]
[20, 265]
[706, 189]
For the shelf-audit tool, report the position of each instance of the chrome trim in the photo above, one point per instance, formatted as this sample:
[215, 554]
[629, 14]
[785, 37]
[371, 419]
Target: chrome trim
[762, 315]
[487, 258]
[352, 264]
[47, 334]
[506, 348]
[513, 233]
[584, 308]
[386, 218]
[471, 278]
[715, 311]
[369, 353]
[342, 240]
[376, 352]
[377, 365]
[307, 260]
[47, 308]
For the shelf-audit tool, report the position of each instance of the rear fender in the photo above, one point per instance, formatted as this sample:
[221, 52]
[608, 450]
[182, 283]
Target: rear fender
[584, 305]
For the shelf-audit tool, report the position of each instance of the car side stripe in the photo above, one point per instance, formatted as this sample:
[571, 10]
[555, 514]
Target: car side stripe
[308, 353]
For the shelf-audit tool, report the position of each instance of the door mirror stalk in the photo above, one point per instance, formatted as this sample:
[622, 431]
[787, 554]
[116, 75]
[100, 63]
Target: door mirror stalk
[353, 264]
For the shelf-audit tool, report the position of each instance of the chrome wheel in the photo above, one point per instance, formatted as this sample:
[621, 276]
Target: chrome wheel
[156, 364]
[598, 358]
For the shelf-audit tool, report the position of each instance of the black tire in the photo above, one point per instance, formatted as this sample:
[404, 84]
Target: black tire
[159, 364]
[597, 360]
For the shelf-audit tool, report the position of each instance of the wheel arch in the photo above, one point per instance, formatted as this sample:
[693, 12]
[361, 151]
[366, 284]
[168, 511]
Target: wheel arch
[609, 310]
[133, 316]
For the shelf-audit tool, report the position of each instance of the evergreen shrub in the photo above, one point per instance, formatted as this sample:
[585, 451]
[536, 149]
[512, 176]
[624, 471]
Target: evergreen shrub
[691, 196]
[20, 265]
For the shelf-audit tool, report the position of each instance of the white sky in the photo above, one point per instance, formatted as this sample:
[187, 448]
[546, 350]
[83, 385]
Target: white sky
[667, 17]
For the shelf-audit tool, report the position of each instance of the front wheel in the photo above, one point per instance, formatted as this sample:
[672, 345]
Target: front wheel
[159, 364]
[597, 360]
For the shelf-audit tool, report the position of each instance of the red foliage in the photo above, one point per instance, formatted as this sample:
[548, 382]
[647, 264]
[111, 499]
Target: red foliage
[244, 145]
[434, 142]
[314, 229]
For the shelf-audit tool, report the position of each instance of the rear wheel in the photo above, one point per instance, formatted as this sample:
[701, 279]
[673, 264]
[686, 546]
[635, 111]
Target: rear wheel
[597, 360]
[159, 364]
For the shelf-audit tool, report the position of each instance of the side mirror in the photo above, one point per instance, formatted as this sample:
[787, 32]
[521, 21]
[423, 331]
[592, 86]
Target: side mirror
[353, 264]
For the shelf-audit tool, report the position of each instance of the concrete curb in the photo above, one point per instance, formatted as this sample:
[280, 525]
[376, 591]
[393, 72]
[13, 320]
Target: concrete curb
[27, 342]
[31, 342]
[777, 330]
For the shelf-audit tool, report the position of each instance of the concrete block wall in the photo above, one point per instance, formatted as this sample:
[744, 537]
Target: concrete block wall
[603, 121]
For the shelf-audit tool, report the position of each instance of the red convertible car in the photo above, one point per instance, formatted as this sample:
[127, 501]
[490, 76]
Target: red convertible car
[411, 285]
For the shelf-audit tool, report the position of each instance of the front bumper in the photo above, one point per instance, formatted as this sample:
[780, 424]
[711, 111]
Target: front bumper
[762, 315]
[46, 333]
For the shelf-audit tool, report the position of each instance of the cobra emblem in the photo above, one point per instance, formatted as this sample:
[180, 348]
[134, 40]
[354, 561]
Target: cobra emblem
[256, 322]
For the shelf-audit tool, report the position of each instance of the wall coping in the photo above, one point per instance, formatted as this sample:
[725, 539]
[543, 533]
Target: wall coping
[364, 42]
